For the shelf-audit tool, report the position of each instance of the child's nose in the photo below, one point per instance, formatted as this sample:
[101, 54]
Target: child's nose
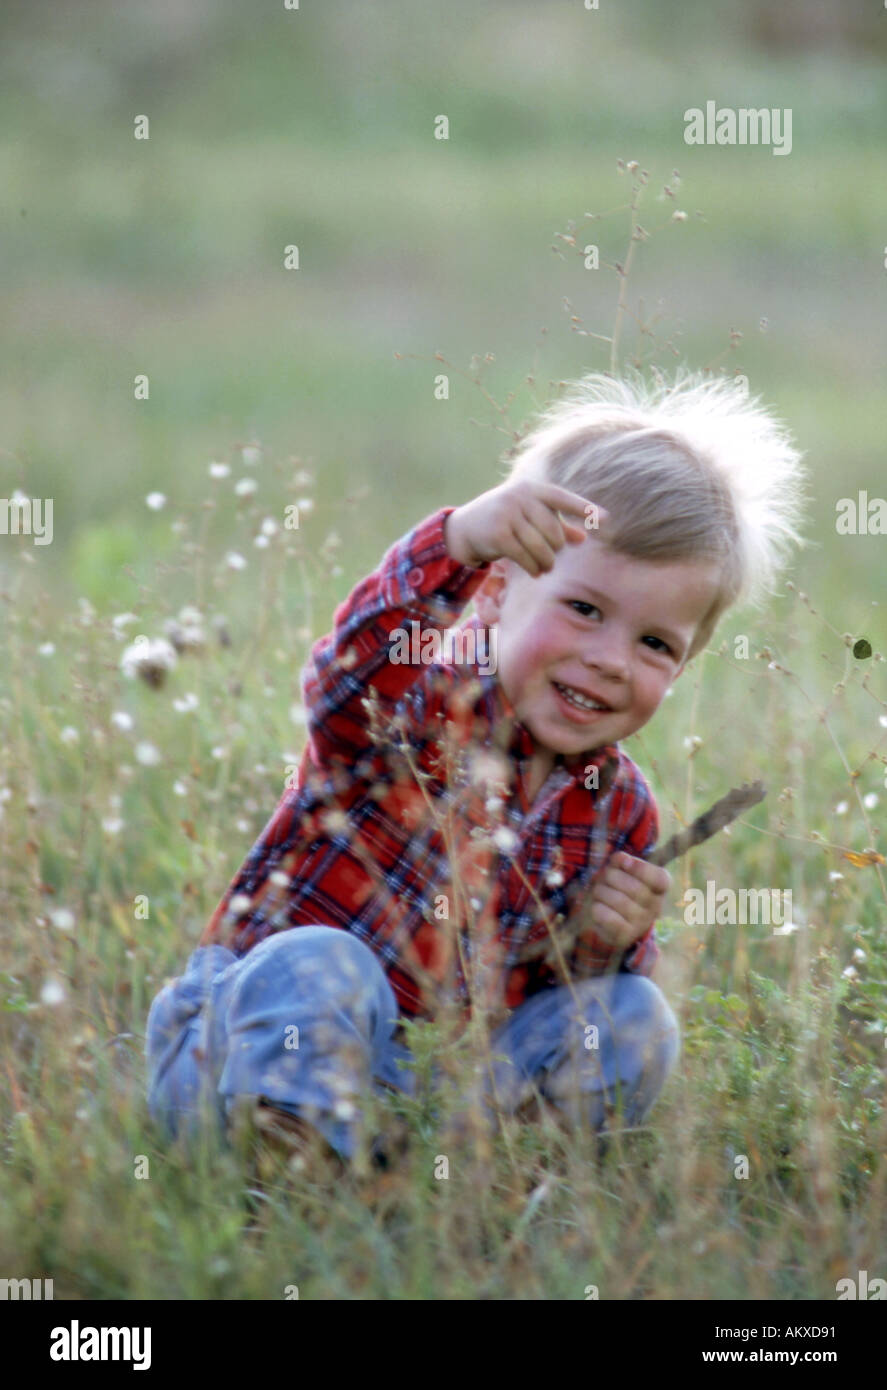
[610, 656]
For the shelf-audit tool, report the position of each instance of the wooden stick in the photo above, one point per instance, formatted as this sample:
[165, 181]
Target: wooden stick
[736, 801]
[710, 822]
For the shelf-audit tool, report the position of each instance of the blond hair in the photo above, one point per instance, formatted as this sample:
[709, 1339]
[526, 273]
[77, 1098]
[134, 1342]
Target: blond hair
[694, 470]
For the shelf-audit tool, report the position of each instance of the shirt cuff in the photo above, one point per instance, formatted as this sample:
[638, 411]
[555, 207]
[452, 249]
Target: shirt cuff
[424, 568]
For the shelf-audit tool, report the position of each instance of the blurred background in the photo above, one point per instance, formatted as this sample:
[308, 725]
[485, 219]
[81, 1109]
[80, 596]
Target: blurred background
[271, 127]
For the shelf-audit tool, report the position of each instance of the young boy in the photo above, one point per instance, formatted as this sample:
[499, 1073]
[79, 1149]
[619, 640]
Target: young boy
[451, 814]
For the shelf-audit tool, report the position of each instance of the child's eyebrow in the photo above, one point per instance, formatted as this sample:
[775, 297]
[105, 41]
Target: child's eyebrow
[659, 629]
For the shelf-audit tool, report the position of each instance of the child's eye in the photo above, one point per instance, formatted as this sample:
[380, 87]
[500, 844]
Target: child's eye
[663, 646]
[580, 603]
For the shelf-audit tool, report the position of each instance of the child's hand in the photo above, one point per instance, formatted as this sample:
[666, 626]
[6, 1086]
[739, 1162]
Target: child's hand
[518, 521]
[626, 898]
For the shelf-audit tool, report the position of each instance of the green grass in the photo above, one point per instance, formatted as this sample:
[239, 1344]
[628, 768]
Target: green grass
[783, 1056]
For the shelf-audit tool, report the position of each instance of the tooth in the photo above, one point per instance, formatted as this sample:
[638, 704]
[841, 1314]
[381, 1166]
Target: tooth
[581, 700]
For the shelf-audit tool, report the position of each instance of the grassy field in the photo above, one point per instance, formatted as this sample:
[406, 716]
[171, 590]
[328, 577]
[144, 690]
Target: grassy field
[167, 259]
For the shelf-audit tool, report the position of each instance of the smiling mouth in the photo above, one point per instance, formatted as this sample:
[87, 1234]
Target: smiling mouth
[579, 700]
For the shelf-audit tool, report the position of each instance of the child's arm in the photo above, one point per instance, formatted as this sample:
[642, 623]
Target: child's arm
[417, 581]
[427, 577]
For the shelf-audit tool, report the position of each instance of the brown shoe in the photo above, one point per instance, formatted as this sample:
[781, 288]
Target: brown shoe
[277, 1143]
[388, 1148]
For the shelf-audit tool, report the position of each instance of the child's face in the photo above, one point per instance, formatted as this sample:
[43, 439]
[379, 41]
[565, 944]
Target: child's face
[611, 627]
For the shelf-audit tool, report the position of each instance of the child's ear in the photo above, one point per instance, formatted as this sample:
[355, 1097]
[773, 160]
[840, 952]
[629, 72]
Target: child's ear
[489, 597]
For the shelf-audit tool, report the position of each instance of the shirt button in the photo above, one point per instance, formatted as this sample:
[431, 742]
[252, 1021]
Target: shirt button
[415, 577]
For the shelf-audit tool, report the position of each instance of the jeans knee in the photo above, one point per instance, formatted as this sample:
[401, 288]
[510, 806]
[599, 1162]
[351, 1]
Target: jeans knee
[308, 970]
[646, 1018]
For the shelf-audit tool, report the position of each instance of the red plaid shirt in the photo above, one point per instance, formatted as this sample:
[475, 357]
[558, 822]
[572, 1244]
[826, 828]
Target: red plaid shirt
[409, 824]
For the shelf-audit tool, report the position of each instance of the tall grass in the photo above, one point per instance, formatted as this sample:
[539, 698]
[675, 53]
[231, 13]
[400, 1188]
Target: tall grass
[124, 809]
[784, 1035]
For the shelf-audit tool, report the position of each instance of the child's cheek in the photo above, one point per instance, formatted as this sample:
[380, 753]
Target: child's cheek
[544, 639]
[537, 654]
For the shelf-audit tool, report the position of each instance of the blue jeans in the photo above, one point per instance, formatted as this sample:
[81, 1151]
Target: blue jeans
[306, 1018]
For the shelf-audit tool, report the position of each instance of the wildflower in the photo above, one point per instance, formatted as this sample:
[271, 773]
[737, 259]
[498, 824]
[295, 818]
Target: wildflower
[851, 973]
[305, 504]
[298, 715]
[121, 720]
[156, 501]
[246, 487]
[53, 992]
[678, 216]
[842, 808]
[279, 879]
[269, 526]
[693, 742]
[187, 631]
[46, 648]
[261, 542]
[335, 822]
[251, 455]
[505, 840]
[303, 478]
[186, 703]
[835, 877]
[151, 659]
[488, 768]
[240, 903]
[179, 788]
[234, 561]
[870, 801]
[69, 734]
[859, 954]
[554, 878]
[219, 470]
[122, 620]
[147, 754]
[62, 918]
[219, 752]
